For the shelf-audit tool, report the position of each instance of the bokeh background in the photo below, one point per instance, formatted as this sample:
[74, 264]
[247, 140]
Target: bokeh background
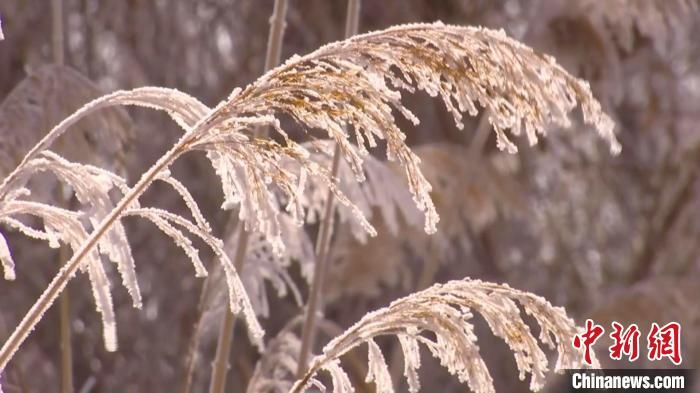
[612, 238]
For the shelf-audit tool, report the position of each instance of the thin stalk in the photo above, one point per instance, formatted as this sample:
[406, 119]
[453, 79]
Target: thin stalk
[57, 31]
[58, 283]
[274, 40]
[352, 21]
[223, 346]
[223, 349]
[192, 356]
[315, 303]
[65, 334]
[63, 254]
[205, 297]
[308, 331]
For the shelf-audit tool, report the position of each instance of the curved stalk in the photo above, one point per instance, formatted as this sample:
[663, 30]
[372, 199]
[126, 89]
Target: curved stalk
[324, 236]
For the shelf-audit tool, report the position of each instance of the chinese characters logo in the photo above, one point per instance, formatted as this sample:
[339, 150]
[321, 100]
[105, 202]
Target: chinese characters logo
[662, 341]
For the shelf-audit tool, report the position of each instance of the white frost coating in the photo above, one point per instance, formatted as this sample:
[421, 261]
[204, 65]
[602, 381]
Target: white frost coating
[8, 265]
[349, 90]
[239, 301]
[238, 298]
[28, 231]
[445, 310]
[244, 185]
[248, 168]
[378, 371]
[189, 200]
[67, 226]
[341, 381]
[411, 359]
[92, 186]
[184, 109]
[103, 300]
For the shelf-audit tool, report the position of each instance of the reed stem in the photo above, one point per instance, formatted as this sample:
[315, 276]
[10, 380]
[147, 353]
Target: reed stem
[315, 303]
[225, 339]
[67, 386]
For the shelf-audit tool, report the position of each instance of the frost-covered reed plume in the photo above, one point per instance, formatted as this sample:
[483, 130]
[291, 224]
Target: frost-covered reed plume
[348, 92]
[445, 311]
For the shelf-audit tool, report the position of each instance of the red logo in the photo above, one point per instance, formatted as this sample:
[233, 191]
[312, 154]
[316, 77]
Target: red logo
[662, 342]
[665, 342]
[626, 342]
[587, 339]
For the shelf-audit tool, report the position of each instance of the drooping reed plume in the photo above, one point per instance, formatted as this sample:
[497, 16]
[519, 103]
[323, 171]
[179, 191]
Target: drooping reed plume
[444, 311]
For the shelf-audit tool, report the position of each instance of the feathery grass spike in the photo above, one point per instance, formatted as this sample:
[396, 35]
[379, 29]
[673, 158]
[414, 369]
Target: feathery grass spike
[357, 83]
[445, 310]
